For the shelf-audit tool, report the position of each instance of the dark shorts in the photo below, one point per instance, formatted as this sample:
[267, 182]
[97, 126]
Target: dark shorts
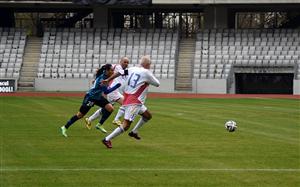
[88, 103]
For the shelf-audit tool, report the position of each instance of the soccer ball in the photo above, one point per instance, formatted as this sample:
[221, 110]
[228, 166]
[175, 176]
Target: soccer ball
[231, 126]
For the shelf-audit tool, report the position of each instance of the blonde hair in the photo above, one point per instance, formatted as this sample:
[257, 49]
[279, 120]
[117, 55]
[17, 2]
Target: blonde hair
[145, 60]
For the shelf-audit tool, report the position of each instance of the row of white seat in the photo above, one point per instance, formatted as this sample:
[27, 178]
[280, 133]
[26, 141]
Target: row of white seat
[70, 62]
[11, 64]
[12, 45]
[91, 37]
[251, 62]
[250, 32]
[246, 57]
[9, 72]
[86, 75]
[69, 66]
[246, 48]
[249, 43]
[221, 37]
[212, 71]
[93, 69]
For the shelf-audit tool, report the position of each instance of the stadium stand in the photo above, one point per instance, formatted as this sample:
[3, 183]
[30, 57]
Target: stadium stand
[12, 43]
[76, 53]
[217, 50]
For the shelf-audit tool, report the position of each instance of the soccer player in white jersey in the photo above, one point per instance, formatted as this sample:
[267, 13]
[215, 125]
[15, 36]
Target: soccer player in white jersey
[135, 92]
[119, 76]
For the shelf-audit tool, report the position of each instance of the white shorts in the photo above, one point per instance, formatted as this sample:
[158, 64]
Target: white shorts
[114, 96]
[131, 111]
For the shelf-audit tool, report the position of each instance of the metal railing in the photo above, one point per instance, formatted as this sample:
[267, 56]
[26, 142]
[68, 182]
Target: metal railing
[176, 57]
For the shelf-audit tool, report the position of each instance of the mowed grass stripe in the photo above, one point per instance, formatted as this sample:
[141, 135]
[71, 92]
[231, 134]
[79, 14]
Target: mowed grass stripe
[154, 169]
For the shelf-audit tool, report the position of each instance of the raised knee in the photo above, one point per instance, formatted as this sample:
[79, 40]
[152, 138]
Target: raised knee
[109, 108]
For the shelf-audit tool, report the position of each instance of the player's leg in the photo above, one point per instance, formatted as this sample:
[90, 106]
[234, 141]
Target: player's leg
[119, 130]
[107, 109]
[82, 111]
[115, 96]
[88, 121]
[130, 113]
[120, 113]
[145, 117]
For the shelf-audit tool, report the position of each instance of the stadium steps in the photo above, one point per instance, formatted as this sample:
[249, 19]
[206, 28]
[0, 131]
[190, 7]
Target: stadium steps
[184, 67]
[30, 64]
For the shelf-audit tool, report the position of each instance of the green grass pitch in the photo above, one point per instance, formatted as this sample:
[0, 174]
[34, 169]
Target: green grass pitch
[185, 144]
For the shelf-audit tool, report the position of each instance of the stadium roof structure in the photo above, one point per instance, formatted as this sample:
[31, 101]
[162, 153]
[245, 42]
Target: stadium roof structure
[67, 5]
[154, 2]
[225, 1]
[37, 2]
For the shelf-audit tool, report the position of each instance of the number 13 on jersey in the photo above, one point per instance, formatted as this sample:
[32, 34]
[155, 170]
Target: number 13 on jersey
[133, 80]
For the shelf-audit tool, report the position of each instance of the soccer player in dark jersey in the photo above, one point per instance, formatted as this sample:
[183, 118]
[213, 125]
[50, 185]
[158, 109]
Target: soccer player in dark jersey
[95, 97]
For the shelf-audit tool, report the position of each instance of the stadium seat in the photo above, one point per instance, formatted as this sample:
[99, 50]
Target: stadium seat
[87, 49]
[244, 48]
[12, 43]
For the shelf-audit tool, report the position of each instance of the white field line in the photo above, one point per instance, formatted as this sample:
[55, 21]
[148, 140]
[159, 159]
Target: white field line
[153, 169]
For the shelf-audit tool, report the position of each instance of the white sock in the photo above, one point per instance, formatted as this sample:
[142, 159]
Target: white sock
[95, 115]
[120, 113]
[116, 132]
[139, 124]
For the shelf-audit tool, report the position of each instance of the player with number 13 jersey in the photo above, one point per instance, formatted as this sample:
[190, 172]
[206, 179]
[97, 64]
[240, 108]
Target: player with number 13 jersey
[136, 86]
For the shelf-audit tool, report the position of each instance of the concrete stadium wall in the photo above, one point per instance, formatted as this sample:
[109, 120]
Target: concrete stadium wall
[205, 86]
[167, 85]
[210, 86]
[62, 84]
[219, 86]
[296, 87]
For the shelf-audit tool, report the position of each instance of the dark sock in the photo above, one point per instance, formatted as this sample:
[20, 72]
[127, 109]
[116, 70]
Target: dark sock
[71, 121]
[105, 115]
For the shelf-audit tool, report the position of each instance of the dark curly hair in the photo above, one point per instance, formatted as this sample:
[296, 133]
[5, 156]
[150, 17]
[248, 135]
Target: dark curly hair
[103, 69]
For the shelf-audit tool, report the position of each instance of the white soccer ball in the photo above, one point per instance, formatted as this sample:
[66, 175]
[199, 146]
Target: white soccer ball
[231, 126]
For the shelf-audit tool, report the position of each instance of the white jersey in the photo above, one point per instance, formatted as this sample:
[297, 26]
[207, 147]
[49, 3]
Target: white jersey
[120, 79]
[136, 85]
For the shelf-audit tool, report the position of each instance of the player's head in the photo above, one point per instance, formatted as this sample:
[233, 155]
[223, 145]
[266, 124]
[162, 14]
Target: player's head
[105, 69]
[124, 62]
[145, 62]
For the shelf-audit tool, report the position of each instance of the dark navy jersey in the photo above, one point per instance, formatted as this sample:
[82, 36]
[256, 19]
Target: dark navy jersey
[95, 93]
[97, 89]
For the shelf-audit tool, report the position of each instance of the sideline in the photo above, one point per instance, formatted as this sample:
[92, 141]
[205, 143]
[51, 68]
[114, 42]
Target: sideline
[155, 169]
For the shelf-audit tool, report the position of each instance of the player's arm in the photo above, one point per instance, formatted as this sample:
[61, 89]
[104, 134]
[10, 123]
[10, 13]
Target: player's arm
[115, 75]
[153, 80]
[107, 90]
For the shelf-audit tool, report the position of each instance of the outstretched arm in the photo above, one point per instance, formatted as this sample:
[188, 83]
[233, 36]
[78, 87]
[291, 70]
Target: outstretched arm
[153, 80]
[106, 81]
[107, 90]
